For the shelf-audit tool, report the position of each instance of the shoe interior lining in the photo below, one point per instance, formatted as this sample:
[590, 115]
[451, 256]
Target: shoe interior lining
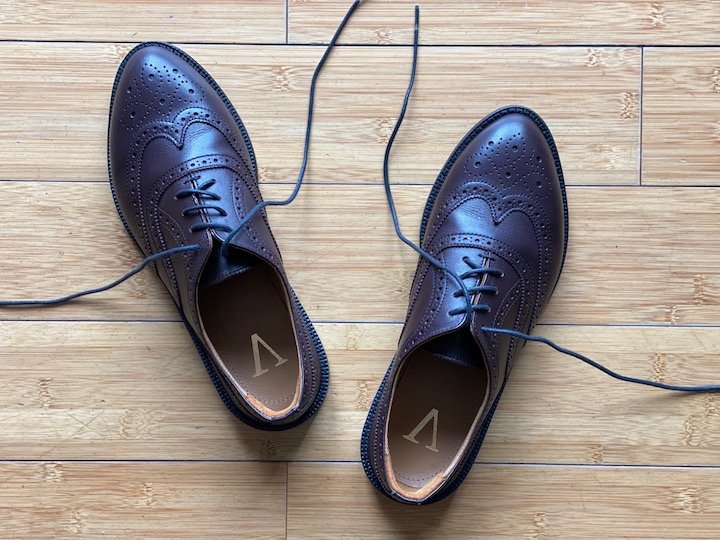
[247, 321]
[436, 403]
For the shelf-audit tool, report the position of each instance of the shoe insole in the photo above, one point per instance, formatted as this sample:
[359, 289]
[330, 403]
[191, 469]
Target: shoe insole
[435, 403]
[248, 323]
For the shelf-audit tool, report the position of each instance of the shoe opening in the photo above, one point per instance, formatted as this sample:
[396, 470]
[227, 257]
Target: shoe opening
[439, 395]
[245, 313]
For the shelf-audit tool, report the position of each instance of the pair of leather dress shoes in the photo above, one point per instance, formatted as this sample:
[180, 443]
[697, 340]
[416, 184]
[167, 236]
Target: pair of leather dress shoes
[184, 178]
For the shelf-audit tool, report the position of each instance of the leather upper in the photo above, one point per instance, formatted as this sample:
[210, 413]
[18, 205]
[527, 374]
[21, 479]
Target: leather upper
[502, 206]
[169, 130]
[501, 202]
[172, 129]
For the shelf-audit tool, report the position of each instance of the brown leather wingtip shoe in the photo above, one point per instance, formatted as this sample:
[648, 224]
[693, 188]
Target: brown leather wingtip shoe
[183, 174]
[497, 218]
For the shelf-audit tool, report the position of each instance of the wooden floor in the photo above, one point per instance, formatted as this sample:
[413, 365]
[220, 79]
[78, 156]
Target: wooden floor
[109, 424]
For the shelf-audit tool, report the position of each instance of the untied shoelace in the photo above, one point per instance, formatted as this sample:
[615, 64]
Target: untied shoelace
[468, 294]
[463, 289]
[232, 233]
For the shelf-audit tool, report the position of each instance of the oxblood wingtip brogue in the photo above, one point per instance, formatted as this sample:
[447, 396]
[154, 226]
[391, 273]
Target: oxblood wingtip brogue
[183, 173]
[497, 218]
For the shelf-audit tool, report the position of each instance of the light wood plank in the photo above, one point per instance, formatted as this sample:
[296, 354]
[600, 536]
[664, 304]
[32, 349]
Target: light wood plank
[142, 500]
[627, 259]
[511, 502]
[55, 103]
[139, 391]
[570, 453]
[511, 22]
[681, 127]
[249, 21]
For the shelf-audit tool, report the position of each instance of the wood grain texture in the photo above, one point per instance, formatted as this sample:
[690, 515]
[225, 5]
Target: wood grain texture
[681, 128]
[65, 395]
[142, 500]
[511, 502]
[110, 425]
[541, 22]
[249, 21]
[55, 114]
[627, 260]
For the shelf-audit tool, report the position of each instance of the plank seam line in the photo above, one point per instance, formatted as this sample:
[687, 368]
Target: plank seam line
[378, 45]
[489, 464]
[638, 326]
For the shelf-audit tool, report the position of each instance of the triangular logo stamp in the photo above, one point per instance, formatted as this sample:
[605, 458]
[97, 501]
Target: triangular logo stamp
[256, 342]
[431, 416]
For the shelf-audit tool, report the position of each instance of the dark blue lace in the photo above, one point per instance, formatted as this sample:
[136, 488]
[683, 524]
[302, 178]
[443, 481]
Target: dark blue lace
[202, 193]
[476, 272]
[205, 197]
[468, 293]
[306, 146]
[62, 299]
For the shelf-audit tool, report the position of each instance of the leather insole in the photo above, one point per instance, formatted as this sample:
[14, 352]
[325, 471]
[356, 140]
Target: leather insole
[248, 323]
[435, 403]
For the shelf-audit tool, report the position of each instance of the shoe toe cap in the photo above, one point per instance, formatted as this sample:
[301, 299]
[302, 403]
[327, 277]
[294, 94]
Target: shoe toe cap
[514, 155]
[154, 83]
[506, 183]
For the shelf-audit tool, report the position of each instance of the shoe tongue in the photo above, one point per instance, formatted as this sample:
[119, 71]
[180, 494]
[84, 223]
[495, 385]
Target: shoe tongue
[458, 347]
[220, 267]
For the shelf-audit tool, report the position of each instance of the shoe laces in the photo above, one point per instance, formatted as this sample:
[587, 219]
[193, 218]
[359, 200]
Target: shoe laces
[202, 194]
[476, 272]
[202, 190]
[468, 293]
[204, 197]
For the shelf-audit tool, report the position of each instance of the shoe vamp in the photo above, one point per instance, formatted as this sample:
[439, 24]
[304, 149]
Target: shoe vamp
[513, 227]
